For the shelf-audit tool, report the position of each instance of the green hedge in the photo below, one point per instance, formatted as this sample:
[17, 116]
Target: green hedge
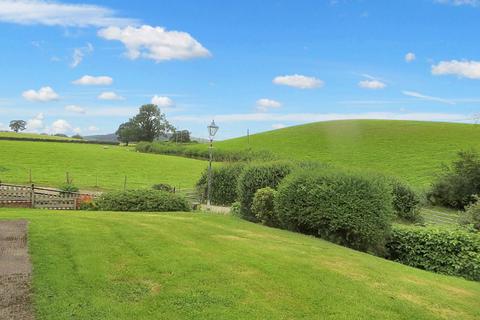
[349, 209]
[256, 176]
[60, 140]
[141, 200]
[263, 206]
[406, 202]
[224, 184]
[452, 252]
[201, 151]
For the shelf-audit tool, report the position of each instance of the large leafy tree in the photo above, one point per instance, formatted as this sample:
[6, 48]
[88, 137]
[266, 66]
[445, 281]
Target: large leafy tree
[182, 136]
[128, 132]
[152, 123]
[18, 125]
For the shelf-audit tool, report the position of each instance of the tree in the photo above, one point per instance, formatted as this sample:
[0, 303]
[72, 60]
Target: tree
[152, 123]
[77, 136]
[182, 136]
[18, 125]
[128, 132]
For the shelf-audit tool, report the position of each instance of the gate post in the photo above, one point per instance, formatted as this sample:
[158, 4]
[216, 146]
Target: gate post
[32, 196]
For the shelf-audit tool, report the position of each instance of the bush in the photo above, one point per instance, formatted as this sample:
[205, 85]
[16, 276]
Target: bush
[68, 188]
[459, 183]
[263, 206]
[141, 200]
[471, 216]
[405, 202]
[448, 251]
[163, 187]
[224, 184]
[235, 209]
[349, 209]
[257, 176]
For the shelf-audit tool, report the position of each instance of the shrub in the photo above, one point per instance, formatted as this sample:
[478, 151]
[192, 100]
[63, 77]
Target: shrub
[263, 206]
[448, 251]
[163, 187]
[405, 201]
[68, 188]
[256, 176]
[224, 184]
[235, 209]
[141, 200]
[471, 216]
[458, 183]
[349, 209]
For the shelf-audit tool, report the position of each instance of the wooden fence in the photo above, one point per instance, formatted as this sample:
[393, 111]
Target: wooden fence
[34, 197]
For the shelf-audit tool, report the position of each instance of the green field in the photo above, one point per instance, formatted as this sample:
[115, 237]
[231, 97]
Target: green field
[91, 165]
[412, 150]
[90, 265]
[21, 135]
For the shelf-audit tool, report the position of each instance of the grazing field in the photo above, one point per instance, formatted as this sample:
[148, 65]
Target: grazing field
[21, 135]
[93, 165]
[90, 265]
[412, 150]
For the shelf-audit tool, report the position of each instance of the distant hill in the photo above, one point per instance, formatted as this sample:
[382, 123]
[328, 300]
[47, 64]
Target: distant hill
[102, 137]
[413, 150]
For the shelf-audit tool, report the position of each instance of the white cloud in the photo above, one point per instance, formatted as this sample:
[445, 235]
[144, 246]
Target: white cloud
[50, 13]
[425, 97]
[110, 95]
[35, 124]
[263, 105]
[278, 126]
[92, 129]
[472, 3]
[162, 102]
[94, 81]
[462, 69]
[43, 95]
[409, 57]
[371, 84]
[79, 54]
[60, 126]
[311, 117]
[155, 43]
[77, 130]
[298, 81]
[74, 109]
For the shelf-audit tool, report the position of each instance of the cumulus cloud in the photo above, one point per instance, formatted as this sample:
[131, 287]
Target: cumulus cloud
[155, 43]
[94, 81]
[426, 97]
[298, 81]
[110, 95]
[44, 94]
[50, 13]
[77, 130]
[462, 69]
[278, 126]
[409, 57]
[162, 102]
[74, 109]
[263, 105]
[92, 129]
[80, 53]
[371, 84]
[35, 124]
[60, 126]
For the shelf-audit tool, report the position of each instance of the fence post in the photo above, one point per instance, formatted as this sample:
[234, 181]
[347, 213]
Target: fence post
[125, 183]
[30, 175]
[32, 196]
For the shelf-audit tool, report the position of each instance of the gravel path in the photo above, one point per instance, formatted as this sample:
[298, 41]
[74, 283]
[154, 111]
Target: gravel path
[15, 272]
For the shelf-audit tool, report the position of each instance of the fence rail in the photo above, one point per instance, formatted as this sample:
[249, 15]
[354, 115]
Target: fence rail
[35, 197]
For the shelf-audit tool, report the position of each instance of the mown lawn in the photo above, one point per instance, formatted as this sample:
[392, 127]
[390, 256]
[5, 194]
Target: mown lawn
[90, 265]
[412, 150]
[91, 165]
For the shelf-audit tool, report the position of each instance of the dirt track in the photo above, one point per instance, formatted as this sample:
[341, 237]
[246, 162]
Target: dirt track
[15, 272]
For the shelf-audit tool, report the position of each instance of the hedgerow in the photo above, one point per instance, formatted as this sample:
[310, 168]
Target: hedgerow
[256, 176]
[448, 251]
[406, 202]
[141, 200]
[224, 183]
[349, 209]
[263, 206]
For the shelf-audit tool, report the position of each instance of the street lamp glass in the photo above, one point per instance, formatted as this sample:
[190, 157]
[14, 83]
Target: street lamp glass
[212, 129]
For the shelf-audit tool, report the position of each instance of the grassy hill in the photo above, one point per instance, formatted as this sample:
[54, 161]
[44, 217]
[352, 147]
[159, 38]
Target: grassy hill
[410, 149]
[92, 164]
[204, 266]
[22, 135]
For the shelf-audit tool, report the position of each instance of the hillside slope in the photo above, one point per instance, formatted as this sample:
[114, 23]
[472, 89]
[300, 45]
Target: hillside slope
[412, 150]
[91, 165]
[204, 266]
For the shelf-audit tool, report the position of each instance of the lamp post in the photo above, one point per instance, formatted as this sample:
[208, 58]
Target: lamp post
[212, 130]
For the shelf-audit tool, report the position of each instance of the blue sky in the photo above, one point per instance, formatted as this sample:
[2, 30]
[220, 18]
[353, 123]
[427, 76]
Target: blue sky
[86, 66]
